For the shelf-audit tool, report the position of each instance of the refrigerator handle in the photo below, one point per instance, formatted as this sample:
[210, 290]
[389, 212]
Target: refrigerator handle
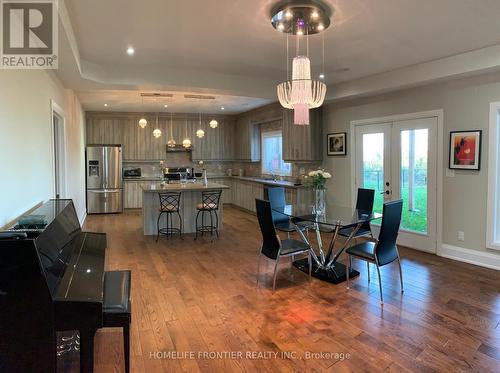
[105, 166]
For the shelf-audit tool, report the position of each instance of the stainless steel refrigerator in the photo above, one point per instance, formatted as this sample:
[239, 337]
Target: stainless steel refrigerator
[104, 179]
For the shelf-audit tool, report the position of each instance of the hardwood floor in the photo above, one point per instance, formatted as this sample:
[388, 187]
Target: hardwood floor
[200, 296]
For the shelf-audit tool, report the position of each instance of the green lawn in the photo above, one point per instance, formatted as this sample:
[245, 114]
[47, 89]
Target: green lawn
[412, 220]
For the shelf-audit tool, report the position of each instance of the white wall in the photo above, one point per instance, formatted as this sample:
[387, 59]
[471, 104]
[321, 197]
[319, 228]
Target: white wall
[26, 141]
[466, 106]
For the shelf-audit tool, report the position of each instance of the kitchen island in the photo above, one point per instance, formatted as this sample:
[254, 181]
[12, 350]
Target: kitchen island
[190, 197]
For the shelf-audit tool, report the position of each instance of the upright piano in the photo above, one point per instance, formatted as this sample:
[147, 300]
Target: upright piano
[51, 279]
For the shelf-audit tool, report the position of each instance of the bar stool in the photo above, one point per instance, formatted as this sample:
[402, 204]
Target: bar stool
[169, 204]
[209, 203]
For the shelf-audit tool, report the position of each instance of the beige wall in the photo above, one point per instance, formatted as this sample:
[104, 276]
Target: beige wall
[26, 141]
[465, 103]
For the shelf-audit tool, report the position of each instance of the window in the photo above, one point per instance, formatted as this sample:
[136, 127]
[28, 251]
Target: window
[272, 154]
[493, 226]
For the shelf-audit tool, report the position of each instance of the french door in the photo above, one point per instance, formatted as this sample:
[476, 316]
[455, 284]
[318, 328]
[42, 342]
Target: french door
[399, 160]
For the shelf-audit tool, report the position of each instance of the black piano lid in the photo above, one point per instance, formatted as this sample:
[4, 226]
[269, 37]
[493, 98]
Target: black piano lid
[50, 209]
[56, 244]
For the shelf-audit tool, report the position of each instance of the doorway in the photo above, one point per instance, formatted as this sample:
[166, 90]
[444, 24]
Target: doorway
[59, 152]
[399, 158]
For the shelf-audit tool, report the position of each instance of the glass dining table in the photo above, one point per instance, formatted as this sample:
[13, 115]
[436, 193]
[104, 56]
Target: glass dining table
[333, 219]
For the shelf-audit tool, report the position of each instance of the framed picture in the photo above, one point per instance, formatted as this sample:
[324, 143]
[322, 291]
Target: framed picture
[465, 150]
[336, 143]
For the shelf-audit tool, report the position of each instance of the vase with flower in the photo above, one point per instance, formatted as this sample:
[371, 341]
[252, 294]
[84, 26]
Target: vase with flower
[205, 180]
[317, 180]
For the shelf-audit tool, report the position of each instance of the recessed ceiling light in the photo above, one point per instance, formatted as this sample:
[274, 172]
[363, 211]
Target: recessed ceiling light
[130, 51]
[300, 32]
[314, 14]
[281, 27]
[322, 76]
[105, 105]
[165, 105]
[321, 27]
[288, 14]
[223, 108]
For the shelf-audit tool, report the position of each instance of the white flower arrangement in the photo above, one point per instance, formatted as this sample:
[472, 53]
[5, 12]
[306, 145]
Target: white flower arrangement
[319, 178]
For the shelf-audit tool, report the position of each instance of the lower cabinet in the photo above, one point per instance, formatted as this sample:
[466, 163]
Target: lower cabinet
[245, 193]
[227, 194]
[133, 194]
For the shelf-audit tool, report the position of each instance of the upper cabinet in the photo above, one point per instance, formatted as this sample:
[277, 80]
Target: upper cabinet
[217, 144]
[247, 132]
[246, 144]
[140, 144]
[236, 137]
[305, 142]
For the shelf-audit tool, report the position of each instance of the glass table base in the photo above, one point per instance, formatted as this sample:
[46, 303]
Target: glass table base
[335, 274]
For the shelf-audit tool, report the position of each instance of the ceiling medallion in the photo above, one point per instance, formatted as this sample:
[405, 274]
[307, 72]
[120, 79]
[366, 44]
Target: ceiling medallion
[301, 19]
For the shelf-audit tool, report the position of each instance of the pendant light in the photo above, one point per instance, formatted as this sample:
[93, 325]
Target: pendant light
[171, 143]
[186, 142]
[157, 131]
[200, 133]
[143, 122]
[213, 123]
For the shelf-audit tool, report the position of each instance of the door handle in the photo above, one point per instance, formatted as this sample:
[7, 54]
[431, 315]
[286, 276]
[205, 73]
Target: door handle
[386, 192]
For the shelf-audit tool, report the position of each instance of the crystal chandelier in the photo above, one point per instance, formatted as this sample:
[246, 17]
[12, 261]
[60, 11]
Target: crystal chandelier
[301, 19]
[301, 93]
[213, 123]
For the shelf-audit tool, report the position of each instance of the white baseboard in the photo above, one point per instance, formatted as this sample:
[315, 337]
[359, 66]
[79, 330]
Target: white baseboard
[480, 258]
[83, 216]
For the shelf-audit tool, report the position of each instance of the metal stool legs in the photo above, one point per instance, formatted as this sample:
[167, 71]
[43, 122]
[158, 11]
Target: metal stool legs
[207, 228]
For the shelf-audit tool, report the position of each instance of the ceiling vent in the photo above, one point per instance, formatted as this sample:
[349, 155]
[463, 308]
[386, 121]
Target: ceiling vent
[200, 97]
[155, 95]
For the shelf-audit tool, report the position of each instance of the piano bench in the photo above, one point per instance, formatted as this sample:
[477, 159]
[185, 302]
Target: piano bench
[117, 308]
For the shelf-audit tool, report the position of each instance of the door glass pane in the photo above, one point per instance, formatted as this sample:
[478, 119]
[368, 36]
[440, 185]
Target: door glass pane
[413, 182]
[373, 167]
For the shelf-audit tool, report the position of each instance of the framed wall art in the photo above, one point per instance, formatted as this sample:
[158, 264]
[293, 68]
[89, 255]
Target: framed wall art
[465, 150]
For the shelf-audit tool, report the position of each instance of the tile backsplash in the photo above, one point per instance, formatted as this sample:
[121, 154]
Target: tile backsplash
[214, 168]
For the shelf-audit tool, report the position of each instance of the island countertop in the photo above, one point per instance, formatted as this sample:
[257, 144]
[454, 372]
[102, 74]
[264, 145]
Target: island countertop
[178, 187]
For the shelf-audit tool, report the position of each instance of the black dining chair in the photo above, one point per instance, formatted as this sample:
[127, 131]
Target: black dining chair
[364, 202]
[384, 250]
[272, 246]
[282, 222]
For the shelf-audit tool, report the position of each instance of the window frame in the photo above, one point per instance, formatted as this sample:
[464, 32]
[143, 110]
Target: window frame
[271, 133]
[493, 214]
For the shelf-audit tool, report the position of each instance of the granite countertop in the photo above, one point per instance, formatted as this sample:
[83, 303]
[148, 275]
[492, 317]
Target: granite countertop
[177, 187]
[260, 180]
[255, 179]
[143, 178]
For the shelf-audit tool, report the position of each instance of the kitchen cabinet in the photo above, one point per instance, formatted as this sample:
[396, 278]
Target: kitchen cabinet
[303, 143]
[227, 194]
[217, 144]
[133, 194]
[246, 144]
[245, 192]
